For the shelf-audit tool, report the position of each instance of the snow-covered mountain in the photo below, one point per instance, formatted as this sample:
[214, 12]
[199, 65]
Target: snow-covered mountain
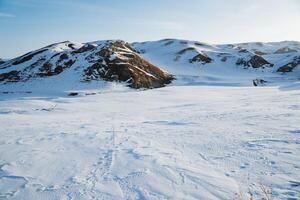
[101, 60]
[150, 64]
[249, 55]
[229, 63]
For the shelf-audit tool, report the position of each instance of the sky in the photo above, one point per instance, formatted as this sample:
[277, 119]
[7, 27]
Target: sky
[27, 25]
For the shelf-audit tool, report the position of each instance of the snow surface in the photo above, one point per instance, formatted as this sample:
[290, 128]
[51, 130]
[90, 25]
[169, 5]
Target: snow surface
[177, 142]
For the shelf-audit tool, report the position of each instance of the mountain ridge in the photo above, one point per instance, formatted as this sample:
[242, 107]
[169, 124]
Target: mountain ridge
[154, 64]
[107, 60]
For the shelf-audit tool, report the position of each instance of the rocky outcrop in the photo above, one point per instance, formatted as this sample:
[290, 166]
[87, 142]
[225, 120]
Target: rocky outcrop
[12, 76]
[259, 82]
[255, 61]
[1, 61]
[119, 62]
[201, 58]
[289, 67]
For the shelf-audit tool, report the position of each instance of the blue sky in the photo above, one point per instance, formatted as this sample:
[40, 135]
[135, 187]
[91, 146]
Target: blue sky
[26, 25]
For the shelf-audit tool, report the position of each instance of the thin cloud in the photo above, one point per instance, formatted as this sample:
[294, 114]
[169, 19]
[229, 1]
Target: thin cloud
[2, 14]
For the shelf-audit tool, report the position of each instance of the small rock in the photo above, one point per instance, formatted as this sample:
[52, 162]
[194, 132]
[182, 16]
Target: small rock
[73, 94]
[259, 82]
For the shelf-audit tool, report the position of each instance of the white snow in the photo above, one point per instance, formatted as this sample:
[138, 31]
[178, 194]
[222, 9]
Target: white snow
[178, 142]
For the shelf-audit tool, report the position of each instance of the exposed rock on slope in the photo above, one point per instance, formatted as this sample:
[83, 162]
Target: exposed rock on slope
[48, 61]
[259, 82]
[255, 61]
[12, 76]
[201, 58]
[103, 60]
[289, 67]
[119, 62]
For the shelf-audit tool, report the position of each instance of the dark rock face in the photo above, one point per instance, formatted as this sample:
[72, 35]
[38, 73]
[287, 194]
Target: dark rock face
[108, 60]
[201, 58]
[12, 76]
[258, 61]
[119, 62]
[259, 82]
[72, 94]
[1, 61]
[289, 67]
[255, 62]
[49, 69]
[285, 68]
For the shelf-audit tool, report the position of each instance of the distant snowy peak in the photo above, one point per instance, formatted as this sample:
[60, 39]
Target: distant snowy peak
[101, 60]
[271, 47]
[248, 55]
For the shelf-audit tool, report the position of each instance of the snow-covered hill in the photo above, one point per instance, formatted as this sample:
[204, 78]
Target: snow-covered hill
[235, 64]
[70, 63]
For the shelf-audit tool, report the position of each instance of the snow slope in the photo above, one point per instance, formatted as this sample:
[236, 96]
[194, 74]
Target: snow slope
[177, 142]
[176, 57]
